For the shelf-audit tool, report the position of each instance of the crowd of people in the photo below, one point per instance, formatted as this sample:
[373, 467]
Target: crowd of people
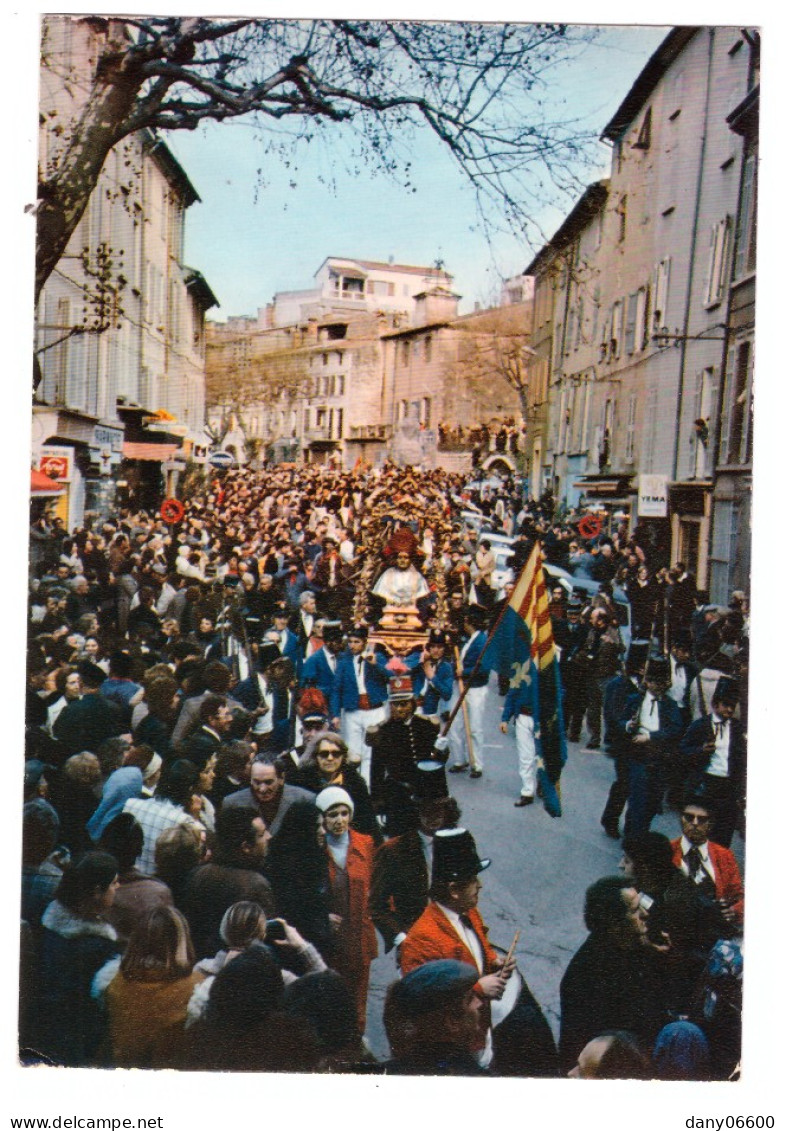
[235, 791]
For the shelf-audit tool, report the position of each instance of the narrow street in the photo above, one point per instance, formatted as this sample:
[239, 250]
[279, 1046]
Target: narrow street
[540, 868]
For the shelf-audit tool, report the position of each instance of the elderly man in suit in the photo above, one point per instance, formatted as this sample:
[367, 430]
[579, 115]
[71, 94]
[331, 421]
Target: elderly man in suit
[268, 794]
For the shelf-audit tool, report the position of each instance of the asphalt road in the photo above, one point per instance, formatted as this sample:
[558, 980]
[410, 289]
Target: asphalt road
[541, 866]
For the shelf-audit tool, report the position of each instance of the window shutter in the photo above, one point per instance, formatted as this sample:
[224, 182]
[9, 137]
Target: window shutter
[726, 412]
[630, 324]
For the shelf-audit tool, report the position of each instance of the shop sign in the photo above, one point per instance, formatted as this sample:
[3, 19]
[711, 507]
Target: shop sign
[653, 496]
[56, 462]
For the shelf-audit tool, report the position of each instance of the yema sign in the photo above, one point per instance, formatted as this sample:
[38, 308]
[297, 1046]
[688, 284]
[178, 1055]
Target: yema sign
[653, 496]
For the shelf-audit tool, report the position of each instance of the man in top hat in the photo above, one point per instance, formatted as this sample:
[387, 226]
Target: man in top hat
[359, 694]
[683, 671]
[397, 745]
[615, 699]
[288, 643]
[650, 730]
[451, 927]
[403, 865]
[474, 676]
[569, 636]
[712, 867]
[432, 674]
[319, 670]
[714, 749]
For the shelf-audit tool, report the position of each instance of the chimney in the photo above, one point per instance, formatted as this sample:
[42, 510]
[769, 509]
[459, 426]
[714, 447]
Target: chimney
[435, 305]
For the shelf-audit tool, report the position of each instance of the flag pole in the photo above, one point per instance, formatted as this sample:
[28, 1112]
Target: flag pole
[465, 683]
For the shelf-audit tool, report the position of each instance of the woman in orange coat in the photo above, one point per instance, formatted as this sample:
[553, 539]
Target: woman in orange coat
[350, 861]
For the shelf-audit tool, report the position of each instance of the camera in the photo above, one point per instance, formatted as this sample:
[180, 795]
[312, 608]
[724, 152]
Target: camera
[275, 930]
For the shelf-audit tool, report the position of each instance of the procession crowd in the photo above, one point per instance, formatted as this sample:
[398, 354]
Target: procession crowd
[234, 788]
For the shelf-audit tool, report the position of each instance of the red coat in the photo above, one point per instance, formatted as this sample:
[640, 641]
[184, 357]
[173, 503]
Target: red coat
[432, 937]
[357, 930]
[728, 883]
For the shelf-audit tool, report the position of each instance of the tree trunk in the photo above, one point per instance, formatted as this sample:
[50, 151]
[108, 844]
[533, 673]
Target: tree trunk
[64, 196]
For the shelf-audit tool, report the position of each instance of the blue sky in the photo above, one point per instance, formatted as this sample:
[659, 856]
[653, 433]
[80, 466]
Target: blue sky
[251, 240]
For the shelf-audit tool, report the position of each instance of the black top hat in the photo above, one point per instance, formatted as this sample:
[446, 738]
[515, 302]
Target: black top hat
[455, 856]
[268, 652]
[476, 615]
[727, 690]
[430, 781]
[658, 667]
[699, 796]
[359, 630]
[637, 655]
[438, 636]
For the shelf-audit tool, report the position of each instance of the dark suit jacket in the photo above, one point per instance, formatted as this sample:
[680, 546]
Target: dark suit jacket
[86, 722]
[244, 799]
[605, 987]
[691, 748]
[212, 888]
[399, 886]
[663, 742]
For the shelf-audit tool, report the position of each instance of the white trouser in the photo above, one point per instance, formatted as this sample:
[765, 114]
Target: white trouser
[475, 703]
[353, 730]
[525, 748]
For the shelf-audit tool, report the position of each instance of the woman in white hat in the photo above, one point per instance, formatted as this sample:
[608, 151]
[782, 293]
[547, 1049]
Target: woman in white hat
[350, 861]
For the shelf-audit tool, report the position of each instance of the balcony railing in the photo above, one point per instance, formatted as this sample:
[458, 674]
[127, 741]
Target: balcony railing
[369, 432]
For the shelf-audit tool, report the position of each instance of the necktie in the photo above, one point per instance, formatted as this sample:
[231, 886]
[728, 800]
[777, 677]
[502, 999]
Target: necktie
[693, 860]
[466, 923]
[719, 728]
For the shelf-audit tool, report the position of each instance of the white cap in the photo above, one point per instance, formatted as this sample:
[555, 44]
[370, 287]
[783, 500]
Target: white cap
[334, 795]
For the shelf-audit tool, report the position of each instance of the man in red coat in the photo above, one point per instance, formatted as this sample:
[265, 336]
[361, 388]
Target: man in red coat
[711, 866]
[451, 926]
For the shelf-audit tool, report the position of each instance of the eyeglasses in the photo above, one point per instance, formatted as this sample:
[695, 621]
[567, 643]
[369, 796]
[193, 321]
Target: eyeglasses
[328, 753]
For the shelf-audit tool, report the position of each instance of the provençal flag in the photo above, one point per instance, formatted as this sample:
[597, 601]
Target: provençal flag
[522, 650]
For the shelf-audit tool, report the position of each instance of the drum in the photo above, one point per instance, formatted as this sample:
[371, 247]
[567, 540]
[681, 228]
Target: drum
[506, 1004]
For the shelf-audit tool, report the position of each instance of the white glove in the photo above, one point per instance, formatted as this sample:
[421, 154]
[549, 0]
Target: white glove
[441, 743]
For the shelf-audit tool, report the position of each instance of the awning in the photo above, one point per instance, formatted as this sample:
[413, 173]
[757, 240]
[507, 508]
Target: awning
[41, 484]
[159, 452]
[604, 486]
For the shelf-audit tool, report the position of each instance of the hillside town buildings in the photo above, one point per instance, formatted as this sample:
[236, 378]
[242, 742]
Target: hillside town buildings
[370, 347]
